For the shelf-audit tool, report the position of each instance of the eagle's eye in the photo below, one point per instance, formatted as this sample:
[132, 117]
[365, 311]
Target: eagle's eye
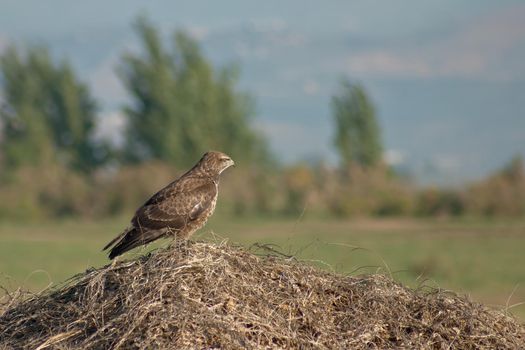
[224, 159]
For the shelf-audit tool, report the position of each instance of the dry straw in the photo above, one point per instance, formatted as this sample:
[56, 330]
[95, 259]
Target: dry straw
[204, 295]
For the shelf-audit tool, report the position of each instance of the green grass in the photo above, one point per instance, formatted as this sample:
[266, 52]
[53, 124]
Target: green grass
[484, 259]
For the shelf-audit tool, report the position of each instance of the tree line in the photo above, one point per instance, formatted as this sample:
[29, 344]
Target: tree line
[53, 164]
[181, 106]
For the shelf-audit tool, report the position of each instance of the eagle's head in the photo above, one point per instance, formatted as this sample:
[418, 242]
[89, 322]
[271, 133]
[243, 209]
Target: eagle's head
[213, 163]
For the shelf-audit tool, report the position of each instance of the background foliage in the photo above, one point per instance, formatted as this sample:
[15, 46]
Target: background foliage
[180, 105]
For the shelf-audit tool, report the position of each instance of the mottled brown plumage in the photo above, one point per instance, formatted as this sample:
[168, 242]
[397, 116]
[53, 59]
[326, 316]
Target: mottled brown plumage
[177, 210]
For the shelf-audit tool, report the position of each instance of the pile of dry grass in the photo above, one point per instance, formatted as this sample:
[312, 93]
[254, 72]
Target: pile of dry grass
[206, 295]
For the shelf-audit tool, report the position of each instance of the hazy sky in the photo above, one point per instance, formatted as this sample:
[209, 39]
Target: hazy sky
[448, 77]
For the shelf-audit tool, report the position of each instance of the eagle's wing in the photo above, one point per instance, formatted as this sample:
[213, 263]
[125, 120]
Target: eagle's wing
[172, 207]
[176, 205]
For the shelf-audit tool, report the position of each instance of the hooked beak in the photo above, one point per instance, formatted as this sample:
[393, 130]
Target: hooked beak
[228, 165]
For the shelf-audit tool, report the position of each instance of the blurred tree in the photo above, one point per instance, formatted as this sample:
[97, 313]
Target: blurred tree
[357, 133]
[48, 115]
[181, 106]
[502, 193]
[514, 171]
[299, 181]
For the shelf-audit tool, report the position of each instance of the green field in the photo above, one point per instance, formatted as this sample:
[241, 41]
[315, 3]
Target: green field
[484, 259]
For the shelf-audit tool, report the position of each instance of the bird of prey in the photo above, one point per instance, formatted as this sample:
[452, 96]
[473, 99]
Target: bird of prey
[177, 210]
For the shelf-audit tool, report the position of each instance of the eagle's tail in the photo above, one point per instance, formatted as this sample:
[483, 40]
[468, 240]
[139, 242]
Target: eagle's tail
[118, 237]
[130, 239]
[124, 245]
[127, 240]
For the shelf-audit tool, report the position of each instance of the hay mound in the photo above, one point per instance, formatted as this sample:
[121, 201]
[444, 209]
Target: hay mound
[205, 295]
